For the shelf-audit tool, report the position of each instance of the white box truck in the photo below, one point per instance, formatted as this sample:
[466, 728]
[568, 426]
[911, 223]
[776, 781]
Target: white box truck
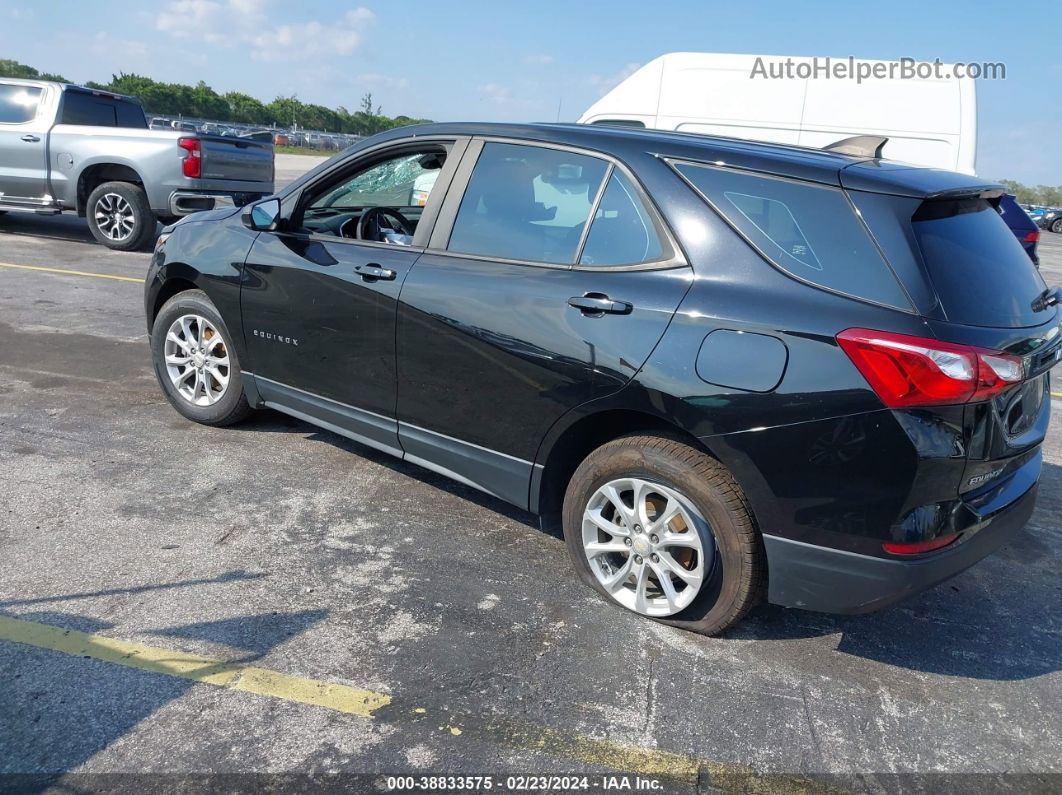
[929, 121]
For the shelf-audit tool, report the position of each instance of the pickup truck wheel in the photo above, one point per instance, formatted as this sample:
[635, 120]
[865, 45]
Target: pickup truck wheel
[195, 364]
[662, 529]
[120, 217]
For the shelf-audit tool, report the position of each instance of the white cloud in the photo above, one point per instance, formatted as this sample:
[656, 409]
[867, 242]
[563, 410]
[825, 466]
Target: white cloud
[538, 59]
[495, 93]
[605, 83]
[309, 39]
[230, 23]
[382, 81]
[103, 45]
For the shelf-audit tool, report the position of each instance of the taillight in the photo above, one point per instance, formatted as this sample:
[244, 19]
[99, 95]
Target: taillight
[908, 371]
[193, 161]
[1032, 237]
[920, 547]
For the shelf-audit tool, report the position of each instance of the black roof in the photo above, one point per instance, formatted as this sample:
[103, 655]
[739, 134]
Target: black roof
[799, 162]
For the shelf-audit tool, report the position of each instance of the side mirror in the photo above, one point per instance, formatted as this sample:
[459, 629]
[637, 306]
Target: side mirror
[262, 216]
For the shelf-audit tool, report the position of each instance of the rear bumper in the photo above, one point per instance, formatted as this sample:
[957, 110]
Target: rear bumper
[835, 581]
[184, 202]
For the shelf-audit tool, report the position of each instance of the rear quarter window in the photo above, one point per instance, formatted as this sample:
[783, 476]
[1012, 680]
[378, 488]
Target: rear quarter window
[807, 230]
[92, 110]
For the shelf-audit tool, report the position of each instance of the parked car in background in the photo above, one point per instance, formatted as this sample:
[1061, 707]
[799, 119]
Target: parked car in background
[728, 371]
[930, 122]
[158, 123]
[65, 148]
[1051, 220]
[1019, 222]
[184, 126]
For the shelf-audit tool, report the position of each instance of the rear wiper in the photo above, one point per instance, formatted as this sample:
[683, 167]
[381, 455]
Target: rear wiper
[1048, 298]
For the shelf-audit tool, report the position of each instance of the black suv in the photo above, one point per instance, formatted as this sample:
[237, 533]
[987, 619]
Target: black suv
[729, 370]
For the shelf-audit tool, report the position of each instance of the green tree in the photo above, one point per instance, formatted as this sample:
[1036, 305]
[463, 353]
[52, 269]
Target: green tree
[245, 108]
[203, 102]
[9, 68]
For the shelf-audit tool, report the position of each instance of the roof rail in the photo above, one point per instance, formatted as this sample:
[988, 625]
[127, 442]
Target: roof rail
[859, 146]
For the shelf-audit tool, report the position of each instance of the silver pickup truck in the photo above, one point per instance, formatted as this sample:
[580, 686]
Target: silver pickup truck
[69, 148]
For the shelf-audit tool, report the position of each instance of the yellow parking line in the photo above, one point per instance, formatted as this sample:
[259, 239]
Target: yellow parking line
[234, 675]
[71, 273]
[1056, 394]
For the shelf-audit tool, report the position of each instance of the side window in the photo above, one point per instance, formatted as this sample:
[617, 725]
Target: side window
[85, 109]
[18, 104]
[623, 232]
[527, 203]
[805, 229]
[403, 181]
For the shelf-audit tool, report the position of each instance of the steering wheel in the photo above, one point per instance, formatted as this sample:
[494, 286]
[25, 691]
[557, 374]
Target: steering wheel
[369, 223]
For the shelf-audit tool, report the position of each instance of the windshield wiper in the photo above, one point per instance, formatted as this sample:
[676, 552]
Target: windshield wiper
[1046, 299]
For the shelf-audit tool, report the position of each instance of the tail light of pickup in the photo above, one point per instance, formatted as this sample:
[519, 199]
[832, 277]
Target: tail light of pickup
[193, 161]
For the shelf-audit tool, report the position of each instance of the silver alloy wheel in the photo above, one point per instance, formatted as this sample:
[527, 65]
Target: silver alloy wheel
[642, 543]
[114, 216]
[197, 360]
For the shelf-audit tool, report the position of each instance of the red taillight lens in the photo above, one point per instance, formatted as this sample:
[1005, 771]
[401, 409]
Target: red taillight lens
[1032, 237]
[920, 547]
[193, 161]
[908, 371]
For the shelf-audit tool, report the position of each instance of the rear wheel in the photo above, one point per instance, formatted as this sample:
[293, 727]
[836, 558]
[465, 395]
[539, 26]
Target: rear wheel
[1056, 225]
[662, 529]
[120, 217]
[196, 366]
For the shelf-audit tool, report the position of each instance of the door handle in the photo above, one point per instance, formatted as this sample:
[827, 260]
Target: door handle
[372, 272]
[30, 139]
[599, 304]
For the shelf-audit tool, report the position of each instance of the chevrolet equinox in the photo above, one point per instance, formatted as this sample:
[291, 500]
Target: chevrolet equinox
[729, 370]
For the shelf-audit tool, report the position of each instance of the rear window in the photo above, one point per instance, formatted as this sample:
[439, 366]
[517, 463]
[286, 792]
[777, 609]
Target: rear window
[622, 232]
[980, 271]
[94, 110]
[807, 230]
[18, 104]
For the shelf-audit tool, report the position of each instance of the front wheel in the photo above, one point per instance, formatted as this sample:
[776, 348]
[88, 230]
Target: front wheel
[1056, 226]
[120, 217]
[662, 529]
[195, 364]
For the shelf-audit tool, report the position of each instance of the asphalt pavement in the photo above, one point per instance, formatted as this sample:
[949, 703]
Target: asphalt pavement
[271, 599]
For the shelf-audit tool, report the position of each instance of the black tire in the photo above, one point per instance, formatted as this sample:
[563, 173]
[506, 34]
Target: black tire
[1056, 226]
[142, 234]
[738, 576]
[232, 407]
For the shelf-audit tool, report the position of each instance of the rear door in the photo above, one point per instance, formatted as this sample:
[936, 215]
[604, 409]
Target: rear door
[23, 144]
[547, 282]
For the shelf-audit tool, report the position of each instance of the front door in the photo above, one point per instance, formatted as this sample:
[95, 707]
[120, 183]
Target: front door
[319, 296]
[23, 142]
[519, 312]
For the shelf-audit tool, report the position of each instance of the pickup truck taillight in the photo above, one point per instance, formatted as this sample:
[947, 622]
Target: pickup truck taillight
[193, 161]
[908, 371]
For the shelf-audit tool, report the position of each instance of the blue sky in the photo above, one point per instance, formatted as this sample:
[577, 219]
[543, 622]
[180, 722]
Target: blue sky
[518, 61]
